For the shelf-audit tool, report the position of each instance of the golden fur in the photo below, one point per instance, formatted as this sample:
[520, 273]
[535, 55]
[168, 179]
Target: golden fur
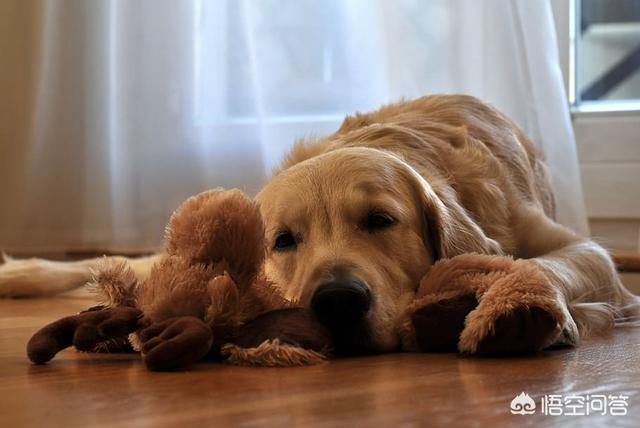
[459, 177]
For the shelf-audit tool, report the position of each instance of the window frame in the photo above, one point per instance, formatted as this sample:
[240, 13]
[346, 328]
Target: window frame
[570, 26]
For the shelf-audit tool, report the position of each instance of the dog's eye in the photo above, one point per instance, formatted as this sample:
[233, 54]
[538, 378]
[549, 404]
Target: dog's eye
[285, 241]
[376, 221]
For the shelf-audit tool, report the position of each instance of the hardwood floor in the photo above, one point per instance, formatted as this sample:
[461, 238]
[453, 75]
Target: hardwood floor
[390, 390]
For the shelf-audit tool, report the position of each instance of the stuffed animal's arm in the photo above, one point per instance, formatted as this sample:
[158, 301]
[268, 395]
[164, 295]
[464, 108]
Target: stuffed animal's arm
[483, 304]
[175, 343]
[84, 331]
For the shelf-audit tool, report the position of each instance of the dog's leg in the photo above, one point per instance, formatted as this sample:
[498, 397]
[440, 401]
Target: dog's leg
[583, 273]
[561, 288]
[576, 286]
[38, 277]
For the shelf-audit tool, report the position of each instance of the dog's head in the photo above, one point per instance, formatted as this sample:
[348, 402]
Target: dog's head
[350, 233]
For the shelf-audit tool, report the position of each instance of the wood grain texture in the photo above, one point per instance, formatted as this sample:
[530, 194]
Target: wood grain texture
[80, 390]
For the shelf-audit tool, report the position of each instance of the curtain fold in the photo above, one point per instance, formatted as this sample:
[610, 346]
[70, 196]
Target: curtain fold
[118, 110]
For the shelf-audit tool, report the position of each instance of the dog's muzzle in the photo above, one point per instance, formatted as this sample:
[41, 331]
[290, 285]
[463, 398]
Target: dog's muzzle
[341, 303]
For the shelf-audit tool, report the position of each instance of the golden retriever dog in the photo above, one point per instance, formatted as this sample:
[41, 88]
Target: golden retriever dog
[356, 219]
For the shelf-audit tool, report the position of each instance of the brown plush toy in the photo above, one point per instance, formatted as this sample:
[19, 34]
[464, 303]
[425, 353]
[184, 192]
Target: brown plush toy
[206, 297]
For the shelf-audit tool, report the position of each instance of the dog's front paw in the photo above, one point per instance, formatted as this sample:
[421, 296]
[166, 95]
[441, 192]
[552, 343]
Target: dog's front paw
[175, 343]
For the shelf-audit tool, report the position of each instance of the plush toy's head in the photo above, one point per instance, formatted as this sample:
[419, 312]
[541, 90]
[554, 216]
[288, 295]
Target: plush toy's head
[219, 227]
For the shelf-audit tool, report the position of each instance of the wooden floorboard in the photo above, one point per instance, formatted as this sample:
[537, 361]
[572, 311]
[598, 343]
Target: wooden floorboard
[87, 390]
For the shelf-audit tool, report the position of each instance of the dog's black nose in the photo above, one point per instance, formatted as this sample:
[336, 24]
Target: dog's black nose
[341, 302]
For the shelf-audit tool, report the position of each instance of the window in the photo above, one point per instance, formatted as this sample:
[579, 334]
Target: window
[599, 47]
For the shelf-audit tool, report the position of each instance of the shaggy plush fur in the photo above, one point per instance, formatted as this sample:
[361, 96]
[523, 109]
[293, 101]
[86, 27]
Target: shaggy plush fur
[219, 228]
[204, 293]
[272, 353]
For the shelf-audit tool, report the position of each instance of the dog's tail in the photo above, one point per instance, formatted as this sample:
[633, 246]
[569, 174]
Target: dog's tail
[36, 277]
[39, 278]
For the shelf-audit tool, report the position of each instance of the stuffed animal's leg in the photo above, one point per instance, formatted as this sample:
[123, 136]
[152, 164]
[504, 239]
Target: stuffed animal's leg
[84, 331]
[284, 337]
[518, 312]
[175, 343]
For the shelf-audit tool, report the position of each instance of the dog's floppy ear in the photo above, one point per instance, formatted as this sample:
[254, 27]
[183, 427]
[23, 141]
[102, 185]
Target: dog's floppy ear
[449, 229]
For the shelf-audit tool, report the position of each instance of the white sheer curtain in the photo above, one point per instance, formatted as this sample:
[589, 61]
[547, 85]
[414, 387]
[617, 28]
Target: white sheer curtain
[118, 110]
